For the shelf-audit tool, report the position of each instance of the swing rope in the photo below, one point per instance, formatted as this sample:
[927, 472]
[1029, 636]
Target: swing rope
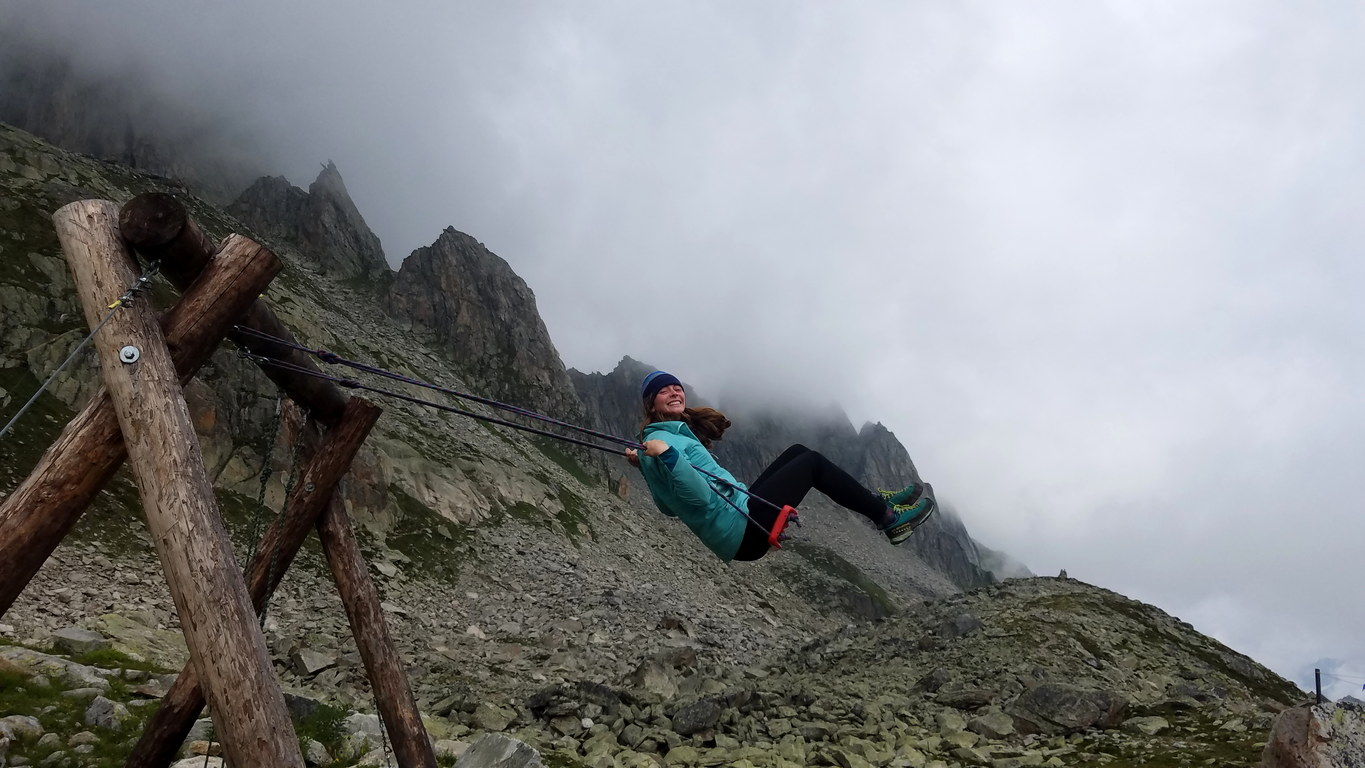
[258, 517]
[267, 469]
[334, 359]
[289, 483]
[715, 481]
[122, 301]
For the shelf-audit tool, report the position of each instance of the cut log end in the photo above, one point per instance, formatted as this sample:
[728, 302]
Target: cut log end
[160, 228]
[152, 220]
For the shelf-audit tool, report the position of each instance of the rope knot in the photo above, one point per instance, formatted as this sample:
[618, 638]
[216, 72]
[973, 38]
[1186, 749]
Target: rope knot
[328, 357]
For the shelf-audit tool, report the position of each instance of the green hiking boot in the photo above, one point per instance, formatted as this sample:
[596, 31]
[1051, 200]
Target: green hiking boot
[909, 517]
[904, 497]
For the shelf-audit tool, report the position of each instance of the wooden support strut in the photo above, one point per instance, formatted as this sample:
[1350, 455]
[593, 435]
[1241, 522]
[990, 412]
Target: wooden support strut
[225, 643]
[159, 227]
[167, 729]
[38, 514]
[397, 708]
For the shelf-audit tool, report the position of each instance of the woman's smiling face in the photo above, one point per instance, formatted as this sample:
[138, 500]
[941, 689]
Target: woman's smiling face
[670, 401]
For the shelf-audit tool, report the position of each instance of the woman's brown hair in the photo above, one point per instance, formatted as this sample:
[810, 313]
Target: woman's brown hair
[708, 424]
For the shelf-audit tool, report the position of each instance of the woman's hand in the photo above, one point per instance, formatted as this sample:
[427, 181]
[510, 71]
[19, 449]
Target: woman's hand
[655, 447]
[633, 457]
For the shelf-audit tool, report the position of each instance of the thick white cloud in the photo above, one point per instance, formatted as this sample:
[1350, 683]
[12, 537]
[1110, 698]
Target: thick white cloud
[1095, 263]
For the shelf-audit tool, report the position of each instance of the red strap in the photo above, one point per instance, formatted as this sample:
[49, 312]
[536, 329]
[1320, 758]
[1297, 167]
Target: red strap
[775, 535]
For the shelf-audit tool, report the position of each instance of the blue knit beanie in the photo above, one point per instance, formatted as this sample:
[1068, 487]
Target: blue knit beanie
[655, 382]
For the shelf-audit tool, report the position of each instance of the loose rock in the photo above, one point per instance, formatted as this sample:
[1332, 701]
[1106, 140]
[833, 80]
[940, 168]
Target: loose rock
[1328, 735]
[78, 640]
[104, 713]
[494, 750]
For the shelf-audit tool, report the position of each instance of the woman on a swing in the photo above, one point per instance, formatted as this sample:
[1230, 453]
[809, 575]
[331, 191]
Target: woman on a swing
[676, 441]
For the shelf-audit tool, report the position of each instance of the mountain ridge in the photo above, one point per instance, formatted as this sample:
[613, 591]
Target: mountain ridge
[460, 297]
[527, 582]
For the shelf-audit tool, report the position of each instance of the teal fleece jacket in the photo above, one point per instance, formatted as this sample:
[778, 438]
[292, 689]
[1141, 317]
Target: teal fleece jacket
[680, 491]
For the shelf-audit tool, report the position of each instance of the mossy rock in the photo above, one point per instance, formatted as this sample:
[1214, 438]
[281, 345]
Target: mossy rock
[138, 639]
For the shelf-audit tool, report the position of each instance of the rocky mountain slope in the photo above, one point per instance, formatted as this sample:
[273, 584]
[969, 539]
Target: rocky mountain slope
[462, 300]
[468, 306]
[468, 301]
[323, 223]
[533, 592]
[443, 500]
[1027, 673]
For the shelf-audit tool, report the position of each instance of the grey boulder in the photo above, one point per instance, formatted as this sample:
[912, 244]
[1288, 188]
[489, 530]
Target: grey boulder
[494, 750]
[1054, 708]
[1323, 736]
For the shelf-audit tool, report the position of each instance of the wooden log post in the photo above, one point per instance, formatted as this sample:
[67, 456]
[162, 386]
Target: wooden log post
[167, 729]
[38, 514]
[220, 629]
[393, 695]
[159, 227]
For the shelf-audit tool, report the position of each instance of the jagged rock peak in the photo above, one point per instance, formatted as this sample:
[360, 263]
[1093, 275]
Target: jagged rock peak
[884, 460]
[610, 397]
[322, 223]
[470, 301]
[269, 203]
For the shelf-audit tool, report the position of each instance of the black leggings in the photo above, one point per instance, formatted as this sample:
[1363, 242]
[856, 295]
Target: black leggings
[786, 482]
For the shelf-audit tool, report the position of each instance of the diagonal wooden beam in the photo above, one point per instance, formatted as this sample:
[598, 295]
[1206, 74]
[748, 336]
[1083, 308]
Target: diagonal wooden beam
[313, 488]
[225, 643]
[38, 514]
[393, 695]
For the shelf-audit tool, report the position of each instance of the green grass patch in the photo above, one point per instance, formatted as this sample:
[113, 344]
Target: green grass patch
[65, 716]
[556, 453]
[1148, 628]
[432, 542]
[114, 523]
[326, 725]
[832, 564]
[561, 760]
[11, 680]
[109, 658]
[526, 513]
[1258, 681]
[243, 516]
[34, 432]
[574, 518]
[1191, 741]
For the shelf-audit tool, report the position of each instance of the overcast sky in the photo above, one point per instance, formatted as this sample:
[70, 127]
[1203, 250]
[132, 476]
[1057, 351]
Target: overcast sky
[1095, 263]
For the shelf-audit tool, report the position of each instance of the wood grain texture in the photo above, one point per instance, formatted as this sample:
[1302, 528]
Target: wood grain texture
[37, 515]
[225, 643]
[393, 695]
[174, 718]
